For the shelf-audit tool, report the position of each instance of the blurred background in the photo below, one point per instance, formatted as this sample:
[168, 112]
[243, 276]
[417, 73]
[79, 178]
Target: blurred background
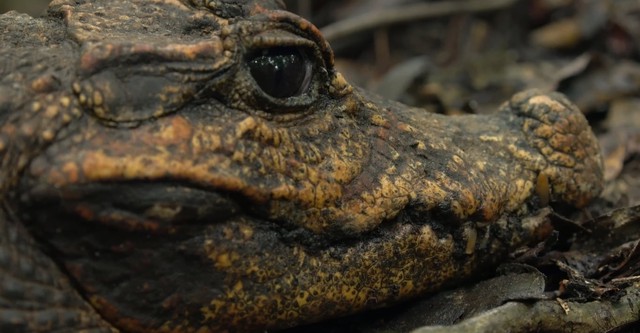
[31, 7]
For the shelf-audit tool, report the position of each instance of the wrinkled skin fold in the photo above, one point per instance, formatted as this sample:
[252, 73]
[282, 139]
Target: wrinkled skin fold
[158, 188]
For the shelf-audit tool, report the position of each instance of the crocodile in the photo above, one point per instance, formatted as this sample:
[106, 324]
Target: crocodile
[201, 166]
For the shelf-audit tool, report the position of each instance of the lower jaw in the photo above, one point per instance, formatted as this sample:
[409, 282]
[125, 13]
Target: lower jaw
[252, 274]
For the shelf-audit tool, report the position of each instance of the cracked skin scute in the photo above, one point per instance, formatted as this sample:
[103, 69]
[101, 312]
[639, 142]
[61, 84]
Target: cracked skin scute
[155, 178]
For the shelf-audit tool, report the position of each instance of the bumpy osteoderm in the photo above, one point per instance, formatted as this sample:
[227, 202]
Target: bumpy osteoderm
[173, 185]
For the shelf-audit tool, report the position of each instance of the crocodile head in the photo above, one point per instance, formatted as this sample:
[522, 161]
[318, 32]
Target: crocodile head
[202, 166]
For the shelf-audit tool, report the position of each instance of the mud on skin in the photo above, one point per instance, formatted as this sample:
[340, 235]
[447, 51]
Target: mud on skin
[200, 166]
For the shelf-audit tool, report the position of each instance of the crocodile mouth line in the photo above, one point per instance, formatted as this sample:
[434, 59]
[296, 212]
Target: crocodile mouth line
[164, 207]
[140, 206]
[173, 209]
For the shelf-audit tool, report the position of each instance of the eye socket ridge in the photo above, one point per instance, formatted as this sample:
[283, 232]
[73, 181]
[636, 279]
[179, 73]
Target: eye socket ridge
[281, 72]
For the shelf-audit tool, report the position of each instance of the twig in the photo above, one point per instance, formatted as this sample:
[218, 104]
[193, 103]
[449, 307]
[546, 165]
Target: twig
[419, 11]
[549, 316]
[627, 279]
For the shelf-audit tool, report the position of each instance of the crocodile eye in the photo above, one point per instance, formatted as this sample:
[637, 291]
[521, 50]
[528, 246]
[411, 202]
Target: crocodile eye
[281, 72]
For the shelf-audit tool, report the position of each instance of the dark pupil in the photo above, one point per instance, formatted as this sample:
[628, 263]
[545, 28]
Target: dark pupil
[280, 72]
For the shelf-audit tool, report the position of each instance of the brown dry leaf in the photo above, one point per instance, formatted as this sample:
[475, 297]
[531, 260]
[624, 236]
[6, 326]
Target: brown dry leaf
[614, 156]
[624, 113]
[602, 83]
[566, 33]
[562, 34]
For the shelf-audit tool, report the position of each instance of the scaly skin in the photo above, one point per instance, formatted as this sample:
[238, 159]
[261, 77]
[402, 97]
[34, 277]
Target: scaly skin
[175, 195]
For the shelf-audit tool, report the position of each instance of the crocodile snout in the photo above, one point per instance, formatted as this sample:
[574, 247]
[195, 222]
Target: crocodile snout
[558, 130]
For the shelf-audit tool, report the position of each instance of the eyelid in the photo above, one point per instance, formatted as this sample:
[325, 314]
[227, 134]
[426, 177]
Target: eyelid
[126, 82]
[281, 38]
[99, 56]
